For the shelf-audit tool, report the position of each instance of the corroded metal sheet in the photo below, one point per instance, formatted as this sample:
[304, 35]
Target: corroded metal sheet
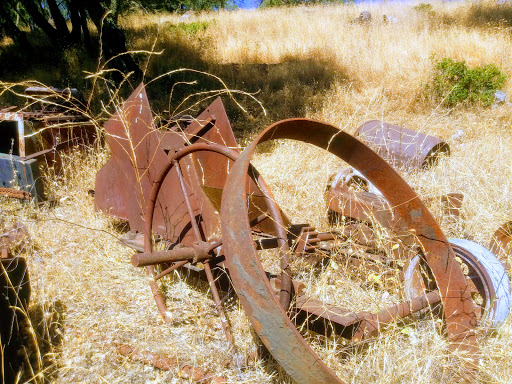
[140, 152]
[52, 116]
[360, 205]
[402, 146]
[39, 131]
[16, 171]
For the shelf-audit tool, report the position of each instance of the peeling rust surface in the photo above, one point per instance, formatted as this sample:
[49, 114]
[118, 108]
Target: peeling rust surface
[140, 152]
[182, 183]
[15, 193]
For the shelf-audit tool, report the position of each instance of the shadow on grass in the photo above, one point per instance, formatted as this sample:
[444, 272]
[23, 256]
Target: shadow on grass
[490, 15]
[286, 89]
[48, 323]
[41, 61]
[33, 348]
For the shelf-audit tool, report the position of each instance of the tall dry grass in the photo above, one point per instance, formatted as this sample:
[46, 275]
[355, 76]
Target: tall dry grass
[306, 61]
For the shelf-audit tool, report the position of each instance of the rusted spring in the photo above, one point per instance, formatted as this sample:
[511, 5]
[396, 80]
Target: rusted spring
[270, 322]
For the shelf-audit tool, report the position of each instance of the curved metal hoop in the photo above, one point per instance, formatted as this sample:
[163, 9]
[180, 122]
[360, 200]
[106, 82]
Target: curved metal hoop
[268, 318]
[274, 213]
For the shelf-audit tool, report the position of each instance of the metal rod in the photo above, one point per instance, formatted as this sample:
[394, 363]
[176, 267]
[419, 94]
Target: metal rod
[170, 269]
[207, 268]
[151, 202]
[179, 264]
[193, 221]
[259, 219]
[218, 306]
[371, 325]
[198, 252]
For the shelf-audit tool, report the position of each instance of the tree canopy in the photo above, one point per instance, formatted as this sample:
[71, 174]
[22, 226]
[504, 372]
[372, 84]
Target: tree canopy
[64, 22]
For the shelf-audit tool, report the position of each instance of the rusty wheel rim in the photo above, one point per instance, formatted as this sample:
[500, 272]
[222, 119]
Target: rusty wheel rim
[151, 204]
[269, 320]
[274, 214]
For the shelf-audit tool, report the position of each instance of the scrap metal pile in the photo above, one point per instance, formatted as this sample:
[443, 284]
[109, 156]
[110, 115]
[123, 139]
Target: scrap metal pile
[53, 120]
[194, 201]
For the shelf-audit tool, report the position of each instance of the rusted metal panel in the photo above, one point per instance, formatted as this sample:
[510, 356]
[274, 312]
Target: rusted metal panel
[140, 153]
[38, 127]
[360, 205]
[350, 196]
[15, 172]
[16, 193]
[37, 131]
[325, 319]
[168, 364]
[268, 318]
[133, 142]
[500, 243]
[402, 146]
[371, 325]
[174, 183]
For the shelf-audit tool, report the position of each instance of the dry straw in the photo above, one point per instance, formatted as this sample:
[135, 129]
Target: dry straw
[87, 298]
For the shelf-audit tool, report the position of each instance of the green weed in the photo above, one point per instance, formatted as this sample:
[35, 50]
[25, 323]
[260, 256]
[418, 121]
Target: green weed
[192, 28]
[423, 7]
[454, 83]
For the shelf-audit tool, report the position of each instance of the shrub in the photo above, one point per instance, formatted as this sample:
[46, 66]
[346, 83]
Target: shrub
[423, 7]
[192, 28]
[455, 83]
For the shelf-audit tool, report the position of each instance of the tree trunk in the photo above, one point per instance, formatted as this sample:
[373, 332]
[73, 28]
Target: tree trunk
[41, 22]
[76, 22]
[85, 29]
[60, 23]
[10, 27]
[113, 39]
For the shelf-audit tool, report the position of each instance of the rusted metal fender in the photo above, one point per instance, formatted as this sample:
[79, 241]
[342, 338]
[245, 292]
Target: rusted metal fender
[269, 320]
[402, 146]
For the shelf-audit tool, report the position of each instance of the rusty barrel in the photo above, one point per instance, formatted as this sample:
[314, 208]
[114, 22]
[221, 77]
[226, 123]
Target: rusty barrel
[401, 146]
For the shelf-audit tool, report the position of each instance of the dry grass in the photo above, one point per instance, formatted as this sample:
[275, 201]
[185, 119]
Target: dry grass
[86, 295]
